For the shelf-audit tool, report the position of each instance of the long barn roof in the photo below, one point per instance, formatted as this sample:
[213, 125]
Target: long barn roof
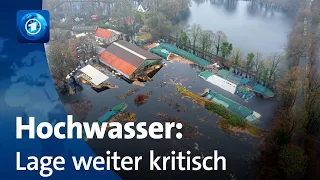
[125, 57]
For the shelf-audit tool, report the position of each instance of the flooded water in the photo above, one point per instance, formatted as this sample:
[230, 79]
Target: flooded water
[212, 138]
[250, 27]
[253, 29]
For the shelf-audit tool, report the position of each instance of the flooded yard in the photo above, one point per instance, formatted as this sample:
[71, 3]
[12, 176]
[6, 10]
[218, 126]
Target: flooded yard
[164, 101]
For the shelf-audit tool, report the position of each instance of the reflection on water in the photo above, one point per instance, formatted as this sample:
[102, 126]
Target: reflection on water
[252, 27]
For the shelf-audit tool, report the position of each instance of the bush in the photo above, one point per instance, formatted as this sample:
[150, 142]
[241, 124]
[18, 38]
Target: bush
[217, 108]
[210, 106]
[232, 119]
[236, 121]
[222, 111]
[292, 161]
[229, 119]
[283, 137]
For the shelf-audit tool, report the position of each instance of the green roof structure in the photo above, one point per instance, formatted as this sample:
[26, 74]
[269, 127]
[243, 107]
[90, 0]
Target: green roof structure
[224, 73]
[205, 74]
[228, 75]
[244, 81]
[182, 53]
[263, 90]
[242, 111]
[160, 52]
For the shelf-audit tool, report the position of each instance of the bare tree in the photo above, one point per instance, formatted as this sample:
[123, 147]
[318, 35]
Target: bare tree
[297, 48]
[60, 61]
[257, 61]
[236, 60]
[219, 38]
[289, 86]
[274, 62]
[196, 31]
[205, 42]
[249, 63]
[86, 48]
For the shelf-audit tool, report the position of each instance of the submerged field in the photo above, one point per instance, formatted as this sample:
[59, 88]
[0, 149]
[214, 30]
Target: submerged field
[164, 103]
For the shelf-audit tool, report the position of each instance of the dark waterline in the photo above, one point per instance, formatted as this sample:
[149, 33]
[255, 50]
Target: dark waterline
[250, 27]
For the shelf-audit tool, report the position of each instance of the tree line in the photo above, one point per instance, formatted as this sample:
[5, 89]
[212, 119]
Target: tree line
[207, 44]
[289, 150]
[198, 41]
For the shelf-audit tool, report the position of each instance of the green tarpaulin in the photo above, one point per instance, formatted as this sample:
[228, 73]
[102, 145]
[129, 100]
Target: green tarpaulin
[160, 52]
[233, 106]
[224, 73]
[119, 107]
[263, 90]
[205, 74]
[180, 52]
[244, 81]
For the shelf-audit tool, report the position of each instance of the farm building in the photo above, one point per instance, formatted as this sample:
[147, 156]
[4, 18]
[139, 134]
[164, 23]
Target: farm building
[107, 35]
[164, 50]
[128, 59]
[94, 76]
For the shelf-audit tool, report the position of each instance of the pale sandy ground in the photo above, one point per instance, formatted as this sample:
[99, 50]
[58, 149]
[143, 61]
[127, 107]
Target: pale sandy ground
[175, 58]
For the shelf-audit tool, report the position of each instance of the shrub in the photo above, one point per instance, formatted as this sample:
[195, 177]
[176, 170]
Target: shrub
[217, 108]
[231, 119]
[236, 121]
[292, 160]
[210, 106]
[222, 111]
[283, 137]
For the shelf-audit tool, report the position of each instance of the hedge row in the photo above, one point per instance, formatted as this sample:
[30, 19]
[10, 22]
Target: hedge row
[232, 119]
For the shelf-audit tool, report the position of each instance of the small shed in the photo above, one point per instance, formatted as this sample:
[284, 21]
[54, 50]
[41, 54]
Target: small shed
[142, 8]
[95, 76]
[94, 17]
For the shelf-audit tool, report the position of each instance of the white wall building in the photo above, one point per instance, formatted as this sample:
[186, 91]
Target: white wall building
[107, 36]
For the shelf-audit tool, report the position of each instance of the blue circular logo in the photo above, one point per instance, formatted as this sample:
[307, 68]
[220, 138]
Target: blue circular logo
[33, 26]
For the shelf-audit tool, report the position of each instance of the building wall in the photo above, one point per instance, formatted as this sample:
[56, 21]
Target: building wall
[114, 37]
[114, 68]
[146, 64]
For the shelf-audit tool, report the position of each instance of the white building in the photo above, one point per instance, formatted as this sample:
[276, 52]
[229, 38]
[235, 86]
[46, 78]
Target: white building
[142, 8]
[107, 35]
[93, 75]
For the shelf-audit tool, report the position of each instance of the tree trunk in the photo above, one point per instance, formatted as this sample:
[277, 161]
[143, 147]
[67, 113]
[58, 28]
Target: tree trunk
[217, 48]
[194, 46]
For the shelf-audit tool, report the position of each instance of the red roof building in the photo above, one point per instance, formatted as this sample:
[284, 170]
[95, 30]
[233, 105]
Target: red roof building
[117, 63]
[103, 33]
[107, 35]
[128, 59]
